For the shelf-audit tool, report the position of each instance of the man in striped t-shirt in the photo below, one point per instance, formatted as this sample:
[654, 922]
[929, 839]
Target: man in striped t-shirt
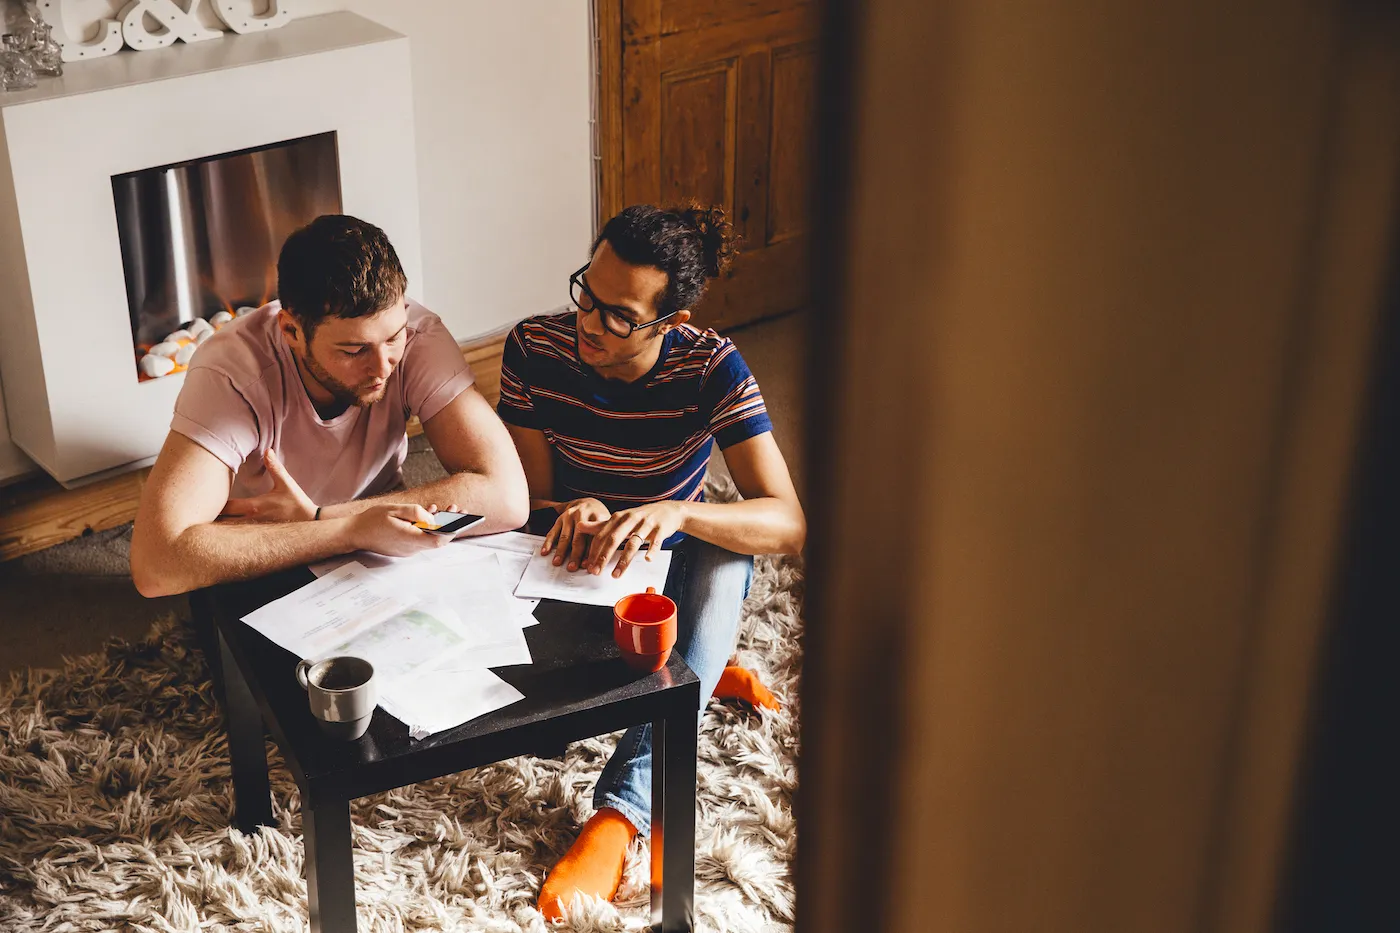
[614, 408]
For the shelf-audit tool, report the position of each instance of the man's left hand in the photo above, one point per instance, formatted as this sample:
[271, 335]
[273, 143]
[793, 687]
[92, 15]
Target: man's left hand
[285, 503]
[629, 529]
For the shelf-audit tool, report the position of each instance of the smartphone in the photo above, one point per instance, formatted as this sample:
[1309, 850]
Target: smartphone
[450, 523]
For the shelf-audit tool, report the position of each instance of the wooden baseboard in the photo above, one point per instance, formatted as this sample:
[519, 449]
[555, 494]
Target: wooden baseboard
[39, 513]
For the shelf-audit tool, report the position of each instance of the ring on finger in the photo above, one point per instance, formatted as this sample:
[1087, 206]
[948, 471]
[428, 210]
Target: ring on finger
[639, 538]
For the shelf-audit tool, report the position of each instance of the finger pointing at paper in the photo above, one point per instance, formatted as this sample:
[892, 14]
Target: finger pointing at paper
[564, 539]
[652, 523]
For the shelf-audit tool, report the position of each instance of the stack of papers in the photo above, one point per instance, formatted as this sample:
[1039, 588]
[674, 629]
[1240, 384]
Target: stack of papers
[513, 551]
[432, 624]
[430, 644]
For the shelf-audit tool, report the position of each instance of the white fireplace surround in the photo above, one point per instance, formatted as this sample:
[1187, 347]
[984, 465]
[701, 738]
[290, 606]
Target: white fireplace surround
[70, 389]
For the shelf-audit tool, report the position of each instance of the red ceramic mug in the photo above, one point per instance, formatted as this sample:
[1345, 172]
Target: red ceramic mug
[644, 627]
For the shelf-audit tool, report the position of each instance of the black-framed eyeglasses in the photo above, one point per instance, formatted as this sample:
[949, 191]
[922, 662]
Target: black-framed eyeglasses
[615, 319]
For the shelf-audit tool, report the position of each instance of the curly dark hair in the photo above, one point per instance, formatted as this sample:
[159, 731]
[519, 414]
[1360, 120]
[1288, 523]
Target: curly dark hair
[338, 266]
[691, 244]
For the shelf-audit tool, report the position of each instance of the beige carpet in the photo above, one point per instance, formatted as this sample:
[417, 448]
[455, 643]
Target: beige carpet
[115, 807]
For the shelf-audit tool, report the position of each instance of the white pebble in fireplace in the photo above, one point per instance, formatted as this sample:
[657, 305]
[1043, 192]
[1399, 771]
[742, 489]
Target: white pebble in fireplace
[174, 352]
[99, 324]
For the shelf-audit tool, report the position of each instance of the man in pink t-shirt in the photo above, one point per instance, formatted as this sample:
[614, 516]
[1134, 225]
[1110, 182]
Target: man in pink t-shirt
[288, 434]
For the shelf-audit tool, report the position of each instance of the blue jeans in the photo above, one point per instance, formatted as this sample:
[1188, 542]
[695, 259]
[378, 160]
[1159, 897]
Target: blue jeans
[707, 619]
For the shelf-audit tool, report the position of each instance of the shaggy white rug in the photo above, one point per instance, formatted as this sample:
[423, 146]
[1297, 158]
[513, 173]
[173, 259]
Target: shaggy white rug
[115, 808]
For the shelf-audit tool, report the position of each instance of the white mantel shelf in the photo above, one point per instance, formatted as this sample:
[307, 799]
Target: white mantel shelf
[70, 388]
[309, 36]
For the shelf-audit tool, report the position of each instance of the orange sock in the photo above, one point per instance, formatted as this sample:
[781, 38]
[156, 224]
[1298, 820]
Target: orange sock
[737, 683]
[593, 864]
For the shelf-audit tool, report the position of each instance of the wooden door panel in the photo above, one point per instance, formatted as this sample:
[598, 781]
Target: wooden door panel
[714, 104]
[794, 100]
[751, 153]
[761, 285]
[641, 123]
[697, 134]
[688, 49]
[690, 15]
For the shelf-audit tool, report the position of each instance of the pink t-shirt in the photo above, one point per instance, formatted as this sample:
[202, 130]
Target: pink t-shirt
[243, 395]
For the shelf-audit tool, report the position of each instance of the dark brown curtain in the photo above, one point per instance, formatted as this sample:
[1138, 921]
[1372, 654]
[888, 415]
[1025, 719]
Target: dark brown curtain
[1097, 286]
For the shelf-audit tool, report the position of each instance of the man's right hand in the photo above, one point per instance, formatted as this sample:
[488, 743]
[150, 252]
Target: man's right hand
[565, 540]
[388, 530]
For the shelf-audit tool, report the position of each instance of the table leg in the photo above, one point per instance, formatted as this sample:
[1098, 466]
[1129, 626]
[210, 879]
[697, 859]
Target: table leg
[329, 867]
[252, 792]
[207, 636]
[673, 741]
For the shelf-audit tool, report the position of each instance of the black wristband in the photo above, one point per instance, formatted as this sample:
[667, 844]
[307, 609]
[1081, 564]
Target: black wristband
[318, 514]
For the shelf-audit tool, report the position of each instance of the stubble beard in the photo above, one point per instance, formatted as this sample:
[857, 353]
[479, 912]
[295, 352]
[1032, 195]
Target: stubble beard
[615, 364]
[340, 392]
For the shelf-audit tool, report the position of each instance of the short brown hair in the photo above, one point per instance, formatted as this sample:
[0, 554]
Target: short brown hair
[338, 266]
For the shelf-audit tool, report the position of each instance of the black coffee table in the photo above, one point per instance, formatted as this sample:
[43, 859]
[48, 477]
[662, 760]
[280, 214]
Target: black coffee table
[577, 687]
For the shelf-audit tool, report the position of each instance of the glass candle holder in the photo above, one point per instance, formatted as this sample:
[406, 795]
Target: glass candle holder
[44, 51]
[16, 67]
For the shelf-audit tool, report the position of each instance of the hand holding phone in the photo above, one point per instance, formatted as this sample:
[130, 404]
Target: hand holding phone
[450, 524]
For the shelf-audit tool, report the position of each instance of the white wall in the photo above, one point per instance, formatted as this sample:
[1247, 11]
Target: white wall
[501, 94]
[501, 107]
[501, 103]
[13, 462]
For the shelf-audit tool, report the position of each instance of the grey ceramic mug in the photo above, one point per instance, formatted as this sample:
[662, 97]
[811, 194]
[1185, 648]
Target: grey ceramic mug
[342, 692]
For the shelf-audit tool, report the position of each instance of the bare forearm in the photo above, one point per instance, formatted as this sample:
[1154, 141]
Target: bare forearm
[220, 552]
[753, 526]
[473, 493]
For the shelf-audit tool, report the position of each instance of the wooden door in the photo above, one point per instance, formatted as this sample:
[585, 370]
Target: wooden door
[712, 100]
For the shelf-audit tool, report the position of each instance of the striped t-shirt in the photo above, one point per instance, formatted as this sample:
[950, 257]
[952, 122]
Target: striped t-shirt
[628, 443]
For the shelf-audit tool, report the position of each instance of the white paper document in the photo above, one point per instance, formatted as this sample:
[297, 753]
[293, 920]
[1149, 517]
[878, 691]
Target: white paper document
[515, 541]
[512, 548]
[452, 692]
[456, 688]
[430, 628]
[472, 583]
[543, 580]
[366, 559]
[438, 700]
[351, 611]
[513, 568]
[414, 638]
[314, 619]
